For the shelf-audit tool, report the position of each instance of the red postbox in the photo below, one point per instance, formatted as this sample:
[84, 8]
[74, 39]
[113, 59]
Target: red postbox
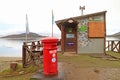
[50, 55]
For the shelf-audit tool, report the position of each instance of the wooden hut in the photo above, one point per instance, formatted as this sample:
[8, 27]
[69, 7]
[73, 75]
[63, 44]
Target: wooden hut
[83, 34]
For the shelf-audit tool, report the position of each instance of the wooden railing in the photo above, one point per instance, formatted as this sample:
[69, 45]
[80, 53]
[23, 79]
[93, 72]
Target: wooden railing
[32, 53]
[113, 45]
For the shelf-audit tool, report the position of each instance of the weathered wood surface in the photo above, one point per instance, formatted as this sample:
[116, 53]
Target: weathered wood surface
[32, 53]
[113, 45]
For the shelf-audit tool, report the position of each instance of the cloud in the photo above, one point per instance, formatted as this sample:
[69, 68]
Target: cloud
[39, 13]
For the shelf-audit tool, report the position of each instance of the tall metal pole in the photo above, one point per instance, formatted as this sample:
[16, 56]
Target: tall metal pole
[27, 29]
[52, 30]
[52, 22]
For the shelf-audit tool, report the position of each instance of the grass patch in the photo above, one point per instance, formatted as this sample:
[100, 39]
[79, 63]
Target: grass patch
[19, 71]
[88, 61]
[114, 54]
[79, 61]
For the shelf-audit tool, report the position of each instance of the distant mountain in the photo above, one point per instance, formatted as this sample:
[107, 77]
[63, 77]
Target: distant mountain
[23, 35]
[117, 35]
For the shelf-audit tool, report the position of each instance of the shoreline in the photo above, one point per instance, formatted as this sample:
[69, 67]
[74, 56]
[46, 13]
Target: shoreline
[2, 59]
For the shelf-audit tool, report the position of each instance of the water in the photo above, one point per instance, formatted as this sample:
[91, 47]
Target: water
[13, 48]
[112, 38]
[10, 47]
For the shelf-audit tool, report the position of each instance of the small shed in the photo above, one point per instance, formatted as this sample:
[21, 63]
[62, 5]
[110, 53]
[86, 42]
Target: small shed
[83, 34]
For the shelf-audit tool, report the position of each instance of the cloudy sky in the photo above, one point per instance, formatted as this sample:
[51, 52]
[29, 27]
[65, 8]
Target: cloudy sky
[13, 14]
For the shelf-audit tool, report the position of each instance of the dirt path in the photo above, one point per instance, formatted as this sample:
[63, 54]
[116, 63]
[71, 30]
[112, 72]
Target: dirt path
[74, 72]
[96, 67]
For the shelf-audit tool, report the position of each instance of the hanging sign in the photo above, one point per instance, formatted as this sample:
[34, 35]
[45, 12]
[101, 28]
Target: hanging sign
[69, 35]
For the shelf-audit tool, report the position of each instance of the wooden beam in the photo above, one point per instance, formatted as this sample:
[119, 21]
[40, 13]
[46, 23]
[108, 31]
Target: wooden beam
[62, 39]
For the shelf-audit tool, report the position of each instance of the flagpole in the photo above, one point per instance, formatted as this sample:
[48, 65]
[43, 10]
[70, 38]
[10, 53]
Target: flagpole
[27, 30]
[52, 22]
[26, 37]
[52, 30]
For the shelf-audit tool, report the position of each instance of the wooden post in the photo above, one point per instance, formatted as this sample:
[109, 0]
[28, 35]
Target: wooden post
[119, 47]
[24, 54]
[112, 42]
[13, 66]
[108, 46]
[62, 39]
[105, 33]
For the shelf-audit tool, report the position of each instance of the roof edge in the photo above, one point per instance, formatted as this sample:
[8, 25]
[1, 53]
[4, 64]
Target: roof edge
[83, 16]
[58, 22]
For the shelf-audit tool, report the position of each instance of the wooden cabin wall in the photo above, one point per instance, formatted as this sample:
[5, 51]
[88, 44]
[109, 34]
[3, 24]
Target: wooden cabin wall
[95, 45]
[91, 34]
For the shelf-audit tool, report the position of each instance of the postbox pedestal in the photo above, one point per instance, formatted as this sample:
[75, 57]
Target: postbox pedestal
[50, 56]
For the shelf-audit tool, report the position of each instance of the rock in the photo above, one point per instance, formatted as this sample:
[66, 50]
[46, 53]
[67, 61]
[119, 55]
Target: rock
[21, 72]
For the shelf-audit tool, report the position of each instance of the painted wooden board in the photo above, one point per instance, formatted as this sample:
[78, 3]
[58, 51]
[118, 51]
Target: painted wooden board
[96, 29]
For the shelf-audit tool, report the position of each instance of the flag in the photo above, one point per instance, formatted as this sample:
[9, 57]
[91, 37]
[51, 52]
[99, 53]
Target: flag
[27, 26]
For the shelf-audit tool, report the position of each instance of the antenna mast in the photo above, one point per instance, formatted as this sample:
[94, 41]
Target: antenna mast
[82, 8]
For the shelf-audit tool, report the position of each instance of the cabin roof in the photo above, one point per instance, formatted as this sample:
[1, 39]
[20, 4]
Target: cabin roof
[60, 22]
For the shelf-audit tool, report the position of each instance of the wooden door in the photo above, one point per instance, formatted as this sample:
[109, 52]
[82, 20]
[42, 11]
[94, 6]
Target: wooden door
[70, 39]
